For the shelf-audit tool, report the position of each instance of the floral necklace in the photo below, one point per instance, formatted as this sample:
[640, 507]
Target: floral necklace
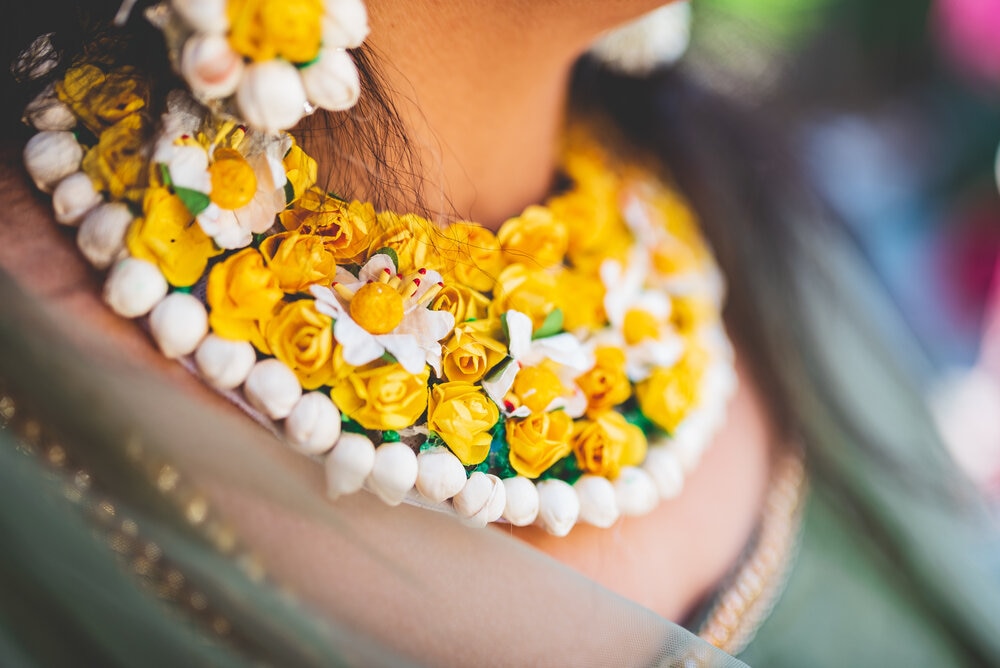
[571, 367]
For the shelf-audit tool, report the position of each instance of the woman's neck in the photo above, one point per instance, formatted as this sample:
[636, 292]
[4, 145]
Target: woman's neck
[481, 90]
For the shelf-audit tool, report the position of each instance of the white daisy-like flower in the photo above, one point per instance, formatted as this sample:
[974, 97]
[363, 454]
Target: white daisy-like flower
[233, 204]
[561, 354]
[382, 312]
[639, 317]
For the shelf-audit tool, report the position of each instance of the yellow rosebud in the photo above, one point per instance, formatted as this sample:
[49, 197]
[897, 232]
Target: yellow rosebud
[416, 241]
[298, 260]
[606, 443]
[118, 162]
[477, 256]
[581, 298]
[302, 338]
[242, 295]
[530, 291]
[539, 441]
[535, 238]
[462, 416]
[101, 99]
[472, 351]
[233, 181]
[462, 302]
[535, 387]
[300, 170]
[343, 227]
[606, 384]
[265, 29]
[168, 237]
[382, 396]
[668, 395]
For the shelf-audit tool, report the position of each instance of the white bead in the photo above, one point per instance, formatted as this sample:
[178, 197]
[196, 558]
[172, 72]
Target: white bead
[134, 287]
[521, 508]
[349, 464]
[440, 475]
[73, 198]
[635, 491]
[332, 81]
[211, 67]
[313, 425]
[51, 156]
[224, 364]
[178, 324]
[558, 506]
[482, 500]
[665, 470]
[48, 112]
[345, 24]
[598, 505]
[270, 95]
[272, 388]
[208, 16]
[394, 472]
[102, 233]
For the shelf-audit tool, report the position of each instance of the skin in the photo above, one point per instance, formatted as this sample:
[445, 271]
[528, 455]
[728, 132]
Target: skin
[484, 158]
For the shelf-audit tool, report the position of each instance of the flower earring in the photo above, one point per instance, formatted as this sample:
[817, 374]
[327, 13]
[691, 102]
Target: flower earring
[268, 64]
[654, 40]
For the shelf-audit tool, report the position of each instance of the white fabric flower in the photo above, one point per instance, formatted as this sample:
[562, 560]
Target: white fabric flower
[569, 356]
[627, 297]
[414, 339]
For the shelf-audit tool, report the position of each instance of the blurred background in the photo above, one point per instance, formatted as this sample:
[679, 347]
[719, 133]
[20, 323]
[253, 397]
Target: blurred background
[894, 106]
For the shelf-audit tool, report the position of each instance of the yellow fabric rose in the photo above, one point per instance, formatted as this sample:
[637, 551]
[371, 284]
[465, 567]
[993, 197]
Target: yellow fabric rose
[462, 302]
[606, 443]
[606, 384]
[668, 395]
[581, 298]
[118, 162]
[536, 387]
[535, 238]
[539, 441]
[382, 396]
[101, 99]
[344, 227]
[242, 295]
[265, 29]
[416, 241]
[472, 351]
[300, 170]
[302, 337]
[168, 237]
[477, 256]
[298, 260]
[462, 416]
[530, 291]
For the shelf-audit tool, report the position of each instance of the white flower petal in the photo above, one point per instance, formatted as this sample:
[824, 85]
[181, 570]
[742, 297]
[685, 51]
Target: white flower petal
[498, 383]
[375, 268]
[519, 334]
[405, 349]
[563, 349]
[360, 347]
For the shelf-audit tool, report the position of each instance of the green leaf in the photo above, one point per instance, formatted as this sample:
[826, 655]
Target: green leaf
[289, 192]
[194, 200]
[390, 436]
[350, 426]
[566, 469]
[553, 325]
[391, 253]
[165, 176]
